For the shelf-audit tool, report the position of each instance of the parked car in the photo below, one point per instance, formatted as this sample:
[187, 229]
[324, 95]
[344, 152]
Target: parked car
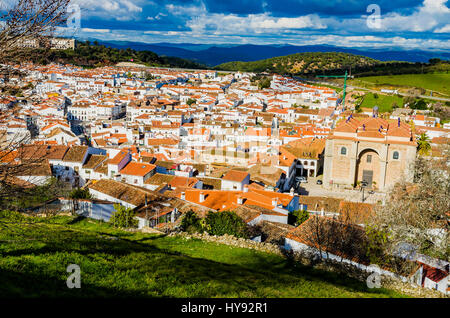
[302, 179]
[319, 182]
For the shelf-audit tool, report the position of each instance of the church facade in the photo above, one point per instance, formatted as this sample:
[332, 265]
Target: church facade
[370, 149]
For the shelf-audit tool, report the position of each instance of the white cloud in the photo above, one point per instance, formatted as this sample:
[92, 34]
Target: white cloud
[444, 29]
[121, 10]
[431, 14]
[157, 17]
[89, 30]
[201, 21]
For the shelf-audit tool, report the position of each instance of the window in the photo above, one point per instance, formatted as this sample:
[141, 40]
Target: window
[343, 151]
[396, 155]
[369, 158]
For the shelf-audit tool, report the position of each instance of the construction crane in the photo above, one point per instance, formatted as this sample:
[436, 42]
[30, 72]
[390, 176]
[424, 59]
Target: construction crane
[345, 85]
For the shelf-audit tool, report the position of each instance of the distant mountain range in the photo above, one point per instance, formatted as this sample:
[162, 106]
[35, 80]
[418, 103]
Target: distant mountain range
[213, 55]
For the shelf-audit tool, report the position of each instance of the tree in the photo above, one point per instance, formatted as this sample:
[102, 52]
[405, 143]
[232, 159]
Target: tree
[264, 83]
[420, 104]
[29, 20]
[334, 236]
[423, 144]
[191, 101]
[22, 21]
[191, 223]
[79, 193]
[123, 217]
[298, 217]
[417, 212]
[226, 222]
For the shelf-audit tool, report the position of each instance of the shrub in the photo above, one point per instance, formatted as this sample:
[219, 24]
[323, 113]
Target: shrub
[191, 101]
[80, 194]
[220, 223]
[298, 217]
[123, 217]
[420, 104]
[191, 223]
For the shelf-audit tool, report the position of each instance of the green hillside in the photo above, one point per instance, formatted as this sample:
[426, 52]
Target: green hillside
[95, 55]
[35, 253]
[328, 63]
[301, 63]
[439, 82]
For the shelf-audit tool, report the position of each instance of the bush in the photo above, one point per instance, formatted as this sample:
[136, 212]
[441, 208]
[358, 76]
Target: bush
[123, 217]
[298, 217]
[420, 104]
[215, 223]
[191, 223]
[220, 223]
[191, 101]
[80, 194]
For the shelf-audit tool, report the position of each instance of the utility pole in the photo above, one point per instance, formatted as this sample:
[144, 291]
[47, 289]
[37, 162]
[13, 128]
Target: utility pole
[345, 85]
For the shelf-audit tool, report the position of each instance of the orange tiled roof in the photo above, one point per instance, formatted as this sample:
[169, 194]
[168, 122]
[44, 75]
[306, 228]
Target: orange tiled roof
[137, 169]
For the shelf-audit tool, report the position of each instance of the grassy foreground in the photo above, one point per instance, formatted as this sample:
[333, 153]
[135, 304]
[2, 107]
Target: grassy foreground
[34, 255]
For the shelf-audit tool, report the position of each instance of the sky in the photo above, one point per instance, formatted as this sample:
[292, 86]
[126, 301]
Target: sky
[402, 24]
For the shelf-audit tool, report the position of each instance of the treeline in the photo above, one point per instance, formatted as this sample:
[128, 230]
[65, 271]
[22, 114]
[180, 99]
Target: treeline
[90, 55]
[331, 63]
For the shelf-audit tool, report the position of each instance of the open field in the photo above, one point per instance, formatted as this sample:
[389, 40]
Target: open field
[34, 256]
[439, 82]
[384, 102]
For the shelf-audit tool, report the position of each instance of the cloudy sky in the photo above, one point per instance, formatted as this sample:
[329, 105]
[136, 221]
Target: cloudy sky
[407, 24]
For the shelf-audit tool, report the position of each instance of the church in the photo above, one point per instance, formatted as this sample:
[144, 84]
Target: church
[371, 149]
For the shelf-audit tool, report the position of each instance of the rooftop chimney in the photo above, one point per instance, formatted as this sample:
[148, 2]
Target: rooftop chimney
[240, 200]
[202, 196]
[275, 202]
[245, 188]
[183, 195]
[292, 192]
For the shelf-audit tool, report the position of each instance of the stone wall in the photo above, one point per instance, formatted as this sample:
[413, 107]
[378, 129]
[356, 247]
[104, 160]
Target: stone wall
[308, 260]
[232, 241]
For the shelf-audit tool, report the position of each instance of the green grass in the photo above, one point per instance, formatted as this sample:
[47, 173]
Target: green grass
[384, 102]
[439, 82]
[34, 257]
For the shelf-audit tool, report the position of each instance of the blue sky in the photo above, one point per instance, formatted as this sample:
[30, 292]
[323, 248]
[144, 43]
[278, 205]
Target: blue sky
[423, 24]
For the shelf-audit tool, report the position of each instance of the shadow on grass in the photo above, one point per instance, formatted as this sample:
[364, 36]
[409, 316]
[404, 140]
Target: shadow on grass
[144, 270]
[79, 218]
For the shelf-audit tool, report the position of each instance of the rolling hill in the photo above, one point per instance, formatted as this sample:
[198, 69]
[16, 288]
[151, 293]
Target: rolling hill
[326, 63]
[303, 63]
[93, 55]
[213, 55]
